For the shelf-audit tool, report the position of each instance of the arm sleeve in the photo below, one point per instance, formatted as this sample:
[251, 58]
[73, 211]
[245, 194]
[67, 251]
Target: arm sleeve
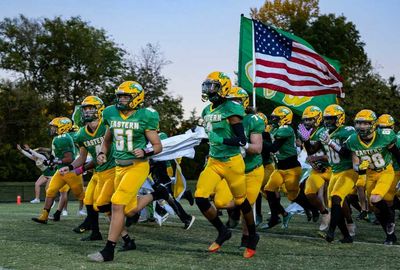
[274, 147]
[239, 139]
[39, 156]
[26, 153]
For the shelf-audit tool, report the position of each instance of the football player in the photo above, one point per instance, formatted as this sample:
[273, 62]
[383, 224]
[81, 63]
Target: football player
[64, 152]
[101, 185]
[130, 126]
[309, 132]
[268, 167]
[343, 176]
[223, 123]
[376, 147]
[287, 168]
[254, 170]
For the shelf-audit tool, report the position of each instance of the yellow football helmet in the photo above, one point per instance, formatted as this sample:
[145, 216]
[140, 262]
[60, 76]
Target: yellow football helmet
[92, 108]
[217, 84]
[365, 123]
[132, 89]
[60, 125]
[239, 93]
[385, 121]
[334, 116]
[281, 115]
[312, 117]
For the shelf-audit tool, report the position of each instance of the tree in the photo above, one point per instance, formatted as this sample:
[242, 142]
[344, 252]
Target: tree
[62, 60]
[146, 68]
[289, 15]
[22, 120]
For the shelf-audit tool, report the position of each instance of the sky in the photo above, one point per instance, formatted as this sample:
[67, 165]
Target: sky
[199, 37]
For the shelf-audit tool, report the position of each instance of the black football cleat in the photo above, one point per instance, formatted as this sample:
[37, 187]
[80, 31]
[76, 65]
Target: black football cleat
[128, 246]
[93, 237]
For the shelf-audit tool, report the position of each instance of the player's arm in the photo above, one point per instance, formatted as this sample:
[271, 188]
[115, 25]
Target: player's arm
[343, 150]
[80, 161]
[274, 147]
[37, 155]
[105, 147]
[77, 164]
[256, 144]
[239, 138]
[154, 139]
[359, 166]
[25, 152]
[67, 158]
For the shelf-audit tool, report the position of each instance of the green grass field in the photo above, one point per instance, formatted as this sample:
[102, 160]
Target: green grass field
[26, 245]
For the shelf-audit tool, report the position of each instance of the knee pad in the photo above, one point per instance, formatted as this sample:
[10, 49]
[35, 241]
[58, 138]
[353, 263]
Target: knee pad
[203, 204]
[245, 207]
[336, 200]
[104, 208]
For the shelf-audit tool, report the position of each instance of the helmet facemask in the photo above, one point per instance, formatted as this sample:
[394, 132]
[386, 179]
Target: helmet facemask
[309, 123]
[275, 120]
[89, 113]
[330, 122]
[124, 101]
[364, 128]
[211, 89]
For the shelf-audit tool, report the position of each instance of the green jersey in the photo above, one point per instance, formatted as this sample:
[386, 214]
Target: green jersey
[288, 148]
[396, 165]
[216, 120]
[92, 141]
[63, 144]
[314, 139]
[253, 124]
[337, 162]
[129, 132]
[375, 152]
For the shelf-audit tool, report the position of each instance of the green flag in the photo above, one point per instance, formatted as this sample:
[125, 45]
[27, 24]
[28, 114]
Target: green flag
[245, 75]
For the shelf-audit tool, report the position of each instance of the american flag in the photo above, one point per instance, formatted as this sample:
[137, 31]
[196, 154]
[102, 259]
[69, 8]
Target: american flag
[287, 66]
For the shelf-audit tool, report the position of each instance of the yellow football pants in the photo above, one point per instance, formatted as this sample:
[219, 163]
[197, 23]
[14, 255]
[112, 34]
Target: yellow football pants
[232, 170]
[223, 196]
[75, 182]
[380, 183]
[128, 181]
[316, 180]
[268, 169]
[100, 188]
[341, 184]
[90, 190]
[289, 178]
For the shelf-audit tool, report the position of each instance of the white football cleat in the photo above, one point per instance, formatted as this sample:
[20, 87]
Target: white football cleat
[35, 200]
[325, 219]
[352, 229]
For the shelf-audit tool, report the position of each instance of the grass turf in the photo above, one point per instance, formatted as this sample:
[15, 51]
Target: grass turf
[27, 245]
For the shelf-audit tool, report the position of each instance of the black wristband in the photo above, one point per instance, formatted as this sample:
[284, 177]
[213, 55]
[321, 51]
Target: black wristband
[148, 153]
[100, 153]
[70, 167]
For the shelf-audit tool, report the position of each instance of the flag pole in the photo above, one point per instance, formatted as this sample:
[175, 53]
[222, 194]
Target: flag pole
[254, 69]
